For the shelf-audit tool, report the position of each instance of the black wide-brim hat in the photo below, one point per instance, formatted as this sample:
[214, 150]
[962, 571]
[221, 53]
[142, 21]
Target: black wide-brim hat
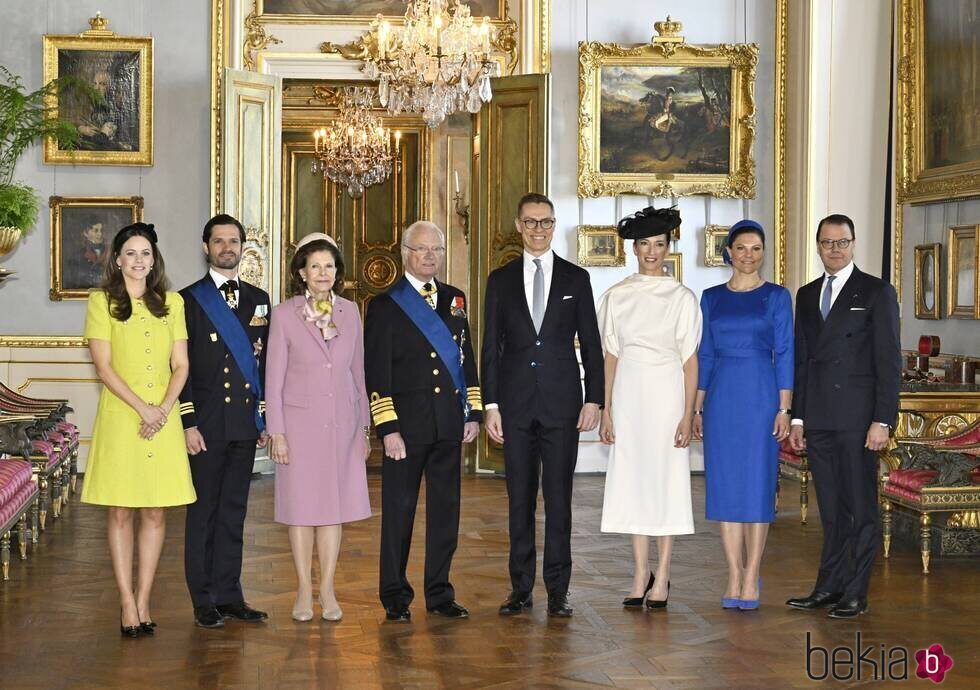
[648, 223]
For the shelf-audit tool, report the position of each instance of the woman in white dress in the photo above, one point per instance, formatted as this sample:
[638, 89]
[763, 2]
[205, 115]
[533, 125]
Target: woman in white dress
[651, 327]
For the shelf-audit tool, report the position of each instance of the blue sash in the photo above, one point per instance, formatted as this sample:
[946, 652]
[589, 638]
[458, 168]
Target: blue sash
[234, 337]
[436, 332]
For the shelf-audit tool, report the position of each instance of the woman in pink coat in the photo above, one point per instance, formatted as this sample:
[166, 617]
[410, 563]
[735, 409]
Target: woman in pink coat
[317, 416]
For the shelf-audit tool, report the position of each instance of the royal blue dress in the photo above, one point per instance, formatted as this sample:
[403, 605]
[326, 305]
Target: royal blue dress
[746, 357]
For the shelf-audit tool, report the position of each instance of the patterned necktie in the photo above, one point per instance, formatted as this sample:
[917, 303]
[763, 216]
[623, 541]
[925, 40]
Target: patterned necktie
[427, 291]
[825, 299]
[228, 289]
[537, 300]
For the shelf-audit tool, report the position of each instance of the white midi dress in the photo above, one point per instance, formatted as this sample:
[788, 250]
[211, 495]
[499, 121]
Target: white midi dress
[652, 325]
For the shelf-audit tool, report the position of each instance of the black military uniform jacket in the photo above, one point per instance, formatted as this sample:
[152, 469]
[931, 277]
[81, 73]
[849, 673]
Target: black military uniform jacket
[409, 388]
[216, 398]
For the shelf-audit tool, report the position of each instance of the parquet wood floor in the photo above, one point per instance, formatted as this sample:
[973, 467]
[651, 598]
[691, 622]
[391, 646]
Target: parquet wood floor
[58, 613]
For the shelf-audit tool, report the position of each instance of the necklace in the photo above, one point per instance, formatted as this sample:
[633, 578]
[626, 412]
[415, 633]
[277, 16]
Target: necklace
[747, 289]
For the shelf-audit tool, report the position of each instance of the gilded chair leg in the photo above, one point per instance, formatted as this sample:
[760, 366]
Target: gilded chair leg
[74, 469]
[35, 521]
[45, 500]
[5, 554]
[22, 536]
[65, 483]
[804, 492]
[924, 522]
[56, 494]
[886, 525]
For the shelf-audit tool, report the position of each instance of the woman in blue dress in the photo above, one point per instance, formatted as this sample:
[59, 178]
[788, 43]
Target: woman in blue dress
[745, 392]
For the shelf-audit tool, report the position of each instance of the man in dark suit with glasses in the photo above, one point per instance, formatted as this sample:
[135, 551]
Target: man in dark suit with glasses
[532, 394]
[845, 399]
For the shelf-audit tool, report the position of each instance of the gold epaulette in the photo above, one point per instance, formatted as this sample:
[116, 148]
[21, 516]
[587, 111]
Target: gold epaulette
[474, 398]
[382, 409]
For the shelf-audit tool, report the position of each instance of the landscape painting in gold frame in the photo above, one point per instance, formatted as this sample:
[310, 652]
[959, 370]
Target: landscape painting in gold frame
[927, 302]
[82, 231]
[674, 266]
[667, 118]
[600, 245]
[963, 272]
[715, 238]
[117, 127]
[939, 123]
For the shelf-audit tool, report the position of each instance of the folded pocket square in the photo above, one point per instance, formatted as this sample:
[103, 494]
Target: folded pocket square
[568, 296]
[859, 309]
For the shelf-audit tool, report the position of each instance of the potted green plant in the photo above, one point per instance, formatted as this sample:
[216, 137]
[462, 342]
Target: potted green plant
[26, 118]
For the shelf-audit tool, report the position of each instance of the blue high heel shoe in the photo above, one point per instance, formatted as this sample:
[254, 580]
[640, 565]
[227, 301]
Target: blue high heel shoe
[727, 603]
[751, 604]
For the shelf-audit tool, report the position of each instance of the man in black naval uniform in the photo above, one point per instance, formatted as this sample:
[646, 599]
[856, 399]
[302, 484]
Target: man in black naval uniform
[425, 399]
[221, 407]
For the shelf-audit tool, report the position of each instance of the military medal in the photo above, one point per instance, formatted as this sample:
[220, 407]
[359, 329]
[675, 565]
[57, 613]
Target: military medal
[457, 308]
[257, 348]
[258, 318]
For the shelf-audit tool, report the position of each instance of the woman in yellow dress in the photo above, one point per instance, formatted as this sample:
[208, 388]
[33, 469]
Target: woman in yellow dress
[138, 340]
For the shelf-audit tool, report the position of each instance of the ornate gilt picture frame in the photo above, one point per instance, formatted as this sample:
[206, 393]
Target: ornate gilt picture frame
[117, 129]
[963, 272]
[82, 230]
[715, 237]
[600, 245]
[349, 11]
[938, 130]
[927, 301]
[674, 266]
[667, 118]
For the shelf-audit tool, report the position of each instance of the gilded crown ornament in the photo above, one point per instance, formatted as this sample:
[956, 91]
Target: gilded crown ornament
[668, 31]
[437, 64]
[100, 26]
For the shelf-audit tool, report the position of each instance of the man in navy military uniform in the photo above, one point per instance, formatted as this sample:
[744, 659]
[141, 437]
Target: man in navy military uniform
[425, 399]
[221, 407]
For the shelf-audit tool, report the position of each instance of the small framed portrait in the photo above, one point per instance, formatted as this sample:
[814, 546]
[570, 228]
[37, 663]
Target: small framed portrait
[82, 231]
[115, 122]
[674, 267]
[600, 245]
[962, 272]
[715, 239]
[927, 281]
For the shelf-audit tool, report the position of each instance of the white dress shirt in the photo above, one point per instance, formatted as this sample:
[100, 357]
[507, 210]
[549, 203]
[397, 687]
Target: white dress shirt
[417, 284]
[835, 289]
[547, 267]
[220, 280]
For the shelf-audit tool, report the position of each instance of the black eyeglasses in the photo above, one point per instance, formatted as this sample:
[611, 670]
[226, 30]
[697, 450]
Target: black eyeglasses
[841, 244]
[534, 223]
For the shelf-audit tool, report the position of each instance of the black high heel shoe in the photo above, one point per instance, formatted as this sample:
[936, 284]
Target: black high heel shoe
[147, 628]
[633, 602]
[657, 604]
[131, 631]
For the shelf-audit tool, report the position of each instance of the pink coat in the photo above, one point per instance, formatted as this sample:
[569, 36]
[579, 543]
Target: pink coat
[314, 394]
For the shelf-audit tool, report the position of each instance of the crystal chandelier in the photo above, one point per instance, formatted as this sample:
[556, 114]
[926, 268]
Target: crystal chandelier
[355, 150]
[437, 64]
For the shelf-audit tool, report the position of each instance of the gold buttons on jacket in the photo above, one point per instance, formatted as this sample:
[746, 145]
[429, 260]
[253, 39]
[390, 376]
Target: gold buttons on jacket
[432, 355]
[147, 334]
[247, 386]
[248, 400]
[227, 385]
[437, 389]
[149, 367]
[147, 350]
[226, 370]
[435, 372]
[227, 400]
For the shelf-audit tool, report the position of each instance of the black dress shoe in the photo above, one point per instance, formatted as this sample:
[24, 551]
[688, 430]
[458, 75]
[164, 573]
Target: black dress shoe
[399, 614]
[558, 606]
[657, 603]
[634, 602]
[516, 603]
[208, 617]
[817, 600]
[242, 612]
[148, 628]
[451, 609]
[851, 607]
[130, 631]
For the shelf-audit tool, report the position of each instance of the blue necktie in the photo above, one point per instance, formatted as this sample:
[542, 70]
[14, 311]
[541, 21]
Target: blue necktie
[825, 299]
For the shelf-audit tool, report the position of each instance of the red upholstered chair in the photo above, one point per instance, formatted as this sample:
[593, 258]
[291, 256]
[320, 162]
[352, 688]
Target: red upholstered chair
[18, 498]
[912, 489]
[794, 465]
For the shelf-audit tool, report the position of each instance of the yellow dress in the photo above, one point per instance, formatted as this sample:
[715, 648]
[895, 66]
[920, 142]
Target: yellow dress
[124, 469]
